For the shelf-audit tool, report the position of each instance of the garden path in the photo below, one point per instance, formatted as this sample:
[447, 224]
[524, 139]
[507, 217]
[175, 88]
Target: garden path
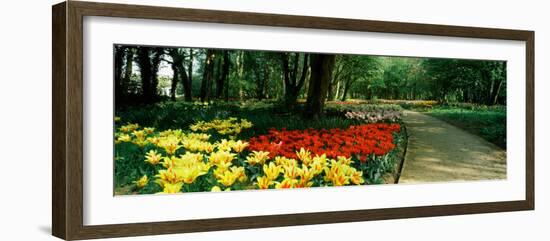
[440, 152]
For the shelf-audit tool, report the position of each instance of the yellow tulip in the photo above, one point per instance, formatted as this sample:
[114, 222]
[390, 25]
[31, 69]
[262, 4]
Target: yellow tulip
[228, 126]
[356, 178]
[169, 161]
[239, 172]
[149, 130]
[317, 167]
[190, 159]
[345, 160]
[153, 140]
[224, 145]
[139, 134]
[263, 182]
[124, 138]
[221, 157]
[140, 142]
[239, 146]
[153, 157]
[337, 174]
[198, 136]
[142, 181]
[245, 124]
[320, 159]
[304, 156]
[305, 176]
[188, 175]
[286, 183]
[272, 171]
[172, 188]
[170, 144]
[218, 189]
[129, 128]
[257, 157]
[291, 172]
[339, 179]
[281, 160]
[167, 176]
[227, 178]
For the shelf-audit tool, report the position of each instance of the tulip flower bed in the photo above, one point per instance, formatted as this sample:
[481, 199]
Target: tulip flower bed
[209, 156]
[358, 141]
[367, 113]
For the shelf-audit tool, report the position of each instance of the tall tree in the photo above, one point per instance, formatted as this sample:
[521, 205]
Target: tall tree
[357, 68]
[119, 59]
[187, 79]
[178, 57]
[207, 75]
[149, 62]
[334, 84]
[293, 78]
[128, 67]
[495, 71]
[223, 73]
[257, 66]
[322, 66]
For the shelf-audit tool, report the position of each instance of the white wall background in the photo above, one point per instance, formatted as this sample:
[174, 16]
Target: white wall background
[25, 119]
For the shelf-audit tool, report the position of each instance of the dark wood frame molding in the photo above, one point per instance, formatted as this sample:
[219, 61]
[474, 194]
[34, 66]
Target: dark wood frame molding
[67, 158]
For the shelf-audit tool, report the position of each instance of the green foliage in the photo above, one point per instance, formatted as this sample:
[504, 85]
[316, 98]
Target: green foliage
[488, 122]
[264, 115]
[260, 75]
[456, 80]
[130, 165]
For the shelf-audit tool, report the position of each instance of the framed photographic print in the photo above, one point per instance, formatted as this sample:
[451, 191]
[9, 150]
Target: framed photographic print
[171, 120]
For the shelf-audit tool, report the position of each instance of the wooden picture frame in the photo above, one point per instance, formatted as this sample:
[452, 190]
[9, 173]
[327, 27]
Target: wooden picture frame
[67, 152]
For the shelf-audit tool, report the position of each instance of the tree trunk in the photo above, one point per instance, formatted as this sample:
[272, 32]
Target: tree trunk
[155, 64]
[149, 61]
[292, 84]
[188, 82]
[175, 69]
[222, 77]
[496, 92]
[144, 62]
[208, 72]
[177, 66]
[225, 69]
[128, 69]
[119, 59]
[321, 73]
[337, 91]
[345, 93]
[260, 84]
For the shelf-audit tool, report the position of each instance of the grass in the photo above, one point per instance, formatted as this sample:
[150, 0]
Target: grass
[486, 122]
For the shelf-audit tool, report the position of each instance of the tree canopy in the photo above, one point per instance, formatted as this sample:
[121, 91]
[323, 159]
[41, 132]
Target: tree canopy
[145, 74]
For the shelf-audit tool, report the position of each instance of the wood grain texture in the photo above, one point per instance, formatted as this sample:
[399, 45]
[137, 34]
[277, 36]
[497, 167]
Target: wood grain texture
[59, 193]
[530, 120]
[67, 150]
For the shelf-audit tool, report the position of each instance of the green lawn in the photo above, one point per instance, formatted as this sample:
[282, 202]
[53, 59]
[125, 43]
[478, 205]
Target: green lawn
[484, 121]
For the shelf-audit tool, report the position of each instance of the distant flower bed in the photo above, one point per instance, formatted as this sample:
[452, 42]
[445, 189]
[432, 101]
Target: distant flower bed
[411, 104]
[374, 117]
[367, 113]
[358, 141]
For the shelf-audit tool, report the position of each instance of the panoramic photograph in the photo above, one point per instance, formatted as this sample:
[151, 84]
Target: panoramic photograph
[214, 120]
